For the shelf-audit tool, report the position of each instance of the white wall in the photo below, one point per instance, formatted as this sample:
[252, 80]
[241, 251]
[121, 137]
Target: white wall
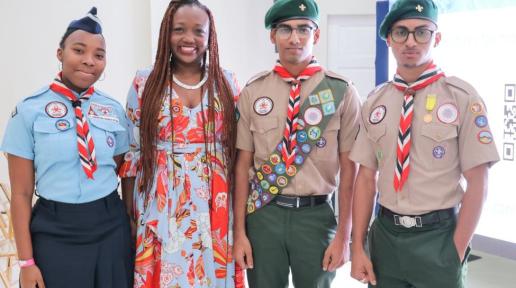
[31, 31]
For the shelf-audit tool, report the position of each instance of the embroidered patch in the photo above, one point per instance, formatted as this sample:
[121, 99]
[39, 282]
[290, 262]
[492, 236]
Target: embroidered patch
[306, 148]
[272, 178]
[280, 169]
[62, 125]
[326, 96]
[274, 190]
[282, 181]
[447, 113]
[299, 160]
[259, 175]
[300, 124]
[476, 108]
[280, 144]
[100, 111]
[439, 152]
[110, 141]
[250, 208]
[258, 203]
[485, 137]
[301, 137]
[314, 100]
[313, 116]
[275, 159]
[56, 109]
[481, 121]
[265, 185]
[265, 198]
[328, 108]
[314, 133]
[266, 169]
[263, 106]
[378, 114]
[291, 170]
[321, 143]
[254, 195]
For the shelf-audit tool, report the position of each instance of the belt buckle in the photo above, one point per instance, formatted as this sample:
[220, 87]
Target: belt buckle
[407, 221]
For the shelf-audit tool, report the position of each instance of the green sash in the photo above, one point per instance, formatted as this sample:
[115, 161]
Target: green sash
[315, 113]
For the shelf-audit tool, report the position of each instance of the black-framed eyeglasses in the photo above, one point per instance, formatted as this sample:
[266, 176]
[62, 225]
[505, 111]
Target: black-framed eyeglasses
[421, 35]
[285, 31]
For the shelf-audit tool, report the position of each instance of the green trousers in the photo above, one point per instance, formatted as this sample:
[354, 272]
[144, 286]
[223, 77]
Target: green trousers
[423, 257]
[284, 238]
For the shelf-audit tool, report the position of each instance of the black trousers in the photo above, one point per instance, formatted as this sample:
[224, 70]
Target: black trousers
[84, 245]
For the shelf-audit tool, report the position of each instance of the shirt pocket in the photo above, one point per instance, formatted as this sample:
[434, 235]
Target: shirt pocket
[54, 138]
[104, 136]
[376, 133]
[263, 134]
[327, 147]
[440, 144]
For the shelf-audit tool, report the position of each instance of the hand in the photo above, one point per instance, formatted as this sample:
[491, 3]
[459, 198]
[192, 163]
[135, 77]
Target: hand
[362, 268]
[30, 277]
[460, 248]
[242, 251]
[336, 254]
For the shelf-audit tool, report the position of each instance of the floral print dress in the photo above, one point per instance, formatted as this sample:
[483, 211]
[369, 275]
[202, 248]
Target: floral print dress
[184, 234]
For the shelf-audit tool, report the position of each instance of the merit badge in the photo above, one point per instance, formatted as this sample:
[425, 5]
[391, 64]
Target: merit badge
[258, 203]
[301, 137]
[314, 133]
[280, 169]
[282, 181]
[56, 109]
[274, 190]
[314, 100]
[265, 185]
[254, 195]
[438, 152]
[321, 142]
[328, 108]
[281, 143]
[377, 115]
[263, 106]
[447, 113]
[481, 121]
[62, 125]
[275, 159]
[299, 159]
[306, 148]
[266, 169]
[265, 197]
[272, 178]
[250, 208]
[427, 118]
[485, 137]
[313, 116]
[259, 175]
[291, 170]
[110, 141]
[476, 108]
[326, 96]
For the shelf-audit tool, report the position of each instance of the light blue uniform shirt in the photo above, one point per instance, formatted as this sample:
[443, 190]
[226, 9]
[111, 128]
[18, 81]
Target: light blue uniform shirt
[43, 129]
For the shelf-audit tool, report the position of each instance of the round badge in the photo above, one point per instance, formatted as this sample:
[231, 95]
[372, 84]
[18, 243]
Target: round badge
[281, 145]
[291, 170]
[321, 142]
[271, 178]
[314, 133]
[258, 203]
[438, 152]
[176, 109]
[306, 148]
[265, 185]
[263, 106]
[259, 175]
[265, 197]
[280, 169]
[282, 181]
[476, 108]
[377, 115]
[274, 190]
[275, 159]
[128, 156]
[485, 137]
[110, 141]
[254, 195]
[447, 113]
[313, 116]
[428, 118]
[62, 125]
[301, 136]
[299, 160]
[250, 208]
[56, 109]
[481, 121]
[266, 169]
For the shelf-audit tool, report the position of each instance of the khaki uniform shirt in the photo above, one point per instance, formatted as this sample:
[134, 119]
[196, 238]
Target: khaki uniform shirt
[261, 134]
[448, 138]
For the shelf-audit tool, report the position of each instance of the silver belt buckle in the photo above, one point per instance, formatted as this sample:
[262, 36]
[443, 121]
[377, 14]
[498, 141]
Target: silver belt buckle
[407, 221]
[297, 202]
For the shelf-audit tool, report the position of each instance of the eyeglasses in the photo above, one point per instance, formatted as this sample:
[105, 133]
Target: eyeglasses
[284, 31]
[421, 35]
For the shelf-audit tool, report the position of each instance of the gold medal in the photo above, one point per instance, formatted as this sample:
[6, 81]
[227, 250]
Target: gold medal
[427, 118]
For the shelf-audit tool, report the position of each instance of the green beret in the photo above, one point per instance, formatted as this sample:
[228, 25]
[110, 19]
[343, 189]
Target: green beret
[291, 9]
[408, 9]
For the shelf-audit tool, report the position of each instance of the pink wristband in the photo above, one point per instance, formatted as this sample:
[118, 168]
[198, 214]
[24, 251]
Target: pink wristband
[26, 263]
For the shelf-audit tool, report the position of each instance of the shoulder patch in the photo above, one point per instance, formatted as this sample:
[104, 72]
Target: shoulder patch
[334, 75]
[38, 93]
[378, 88]
[258, 76]
[460, 84]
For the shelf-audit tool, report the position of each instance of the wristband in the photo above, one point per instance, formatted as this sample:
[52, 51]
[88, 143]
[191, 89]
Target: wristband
[26, 263]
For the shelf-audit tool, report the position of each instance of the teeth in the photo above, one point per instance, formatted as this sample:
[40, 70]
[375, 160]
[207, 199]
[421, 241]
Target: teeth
[188, 49]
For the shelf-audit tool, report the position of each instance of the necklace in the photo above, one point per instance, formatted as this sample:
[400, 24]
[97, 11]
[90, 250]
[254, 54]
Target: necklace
[190, 87]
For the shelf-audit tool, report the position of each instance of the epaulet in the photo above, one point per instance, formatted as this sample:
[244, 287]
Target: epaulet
[37, 93]
[258, 76]
[378, 88]
[460, 84]
[334, 75]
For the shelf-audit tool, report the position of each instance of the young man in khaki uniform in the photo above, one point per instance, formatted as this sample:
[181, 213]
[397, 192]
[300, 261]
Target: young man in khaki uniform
[296, 127]
[421, 132]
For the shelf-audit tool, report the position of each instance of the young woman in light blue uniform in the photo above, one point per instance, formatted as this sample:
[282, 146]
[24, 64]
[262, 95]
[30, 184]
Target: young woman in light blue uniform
[69, 139]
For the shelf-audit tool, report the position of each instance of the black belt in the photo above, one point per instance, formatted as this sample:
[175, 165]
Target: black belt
[298, 202]
[409, 221]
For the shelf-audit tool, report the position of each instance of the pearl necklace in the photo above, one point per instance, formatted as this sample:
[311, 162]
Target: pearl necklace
[190, 87]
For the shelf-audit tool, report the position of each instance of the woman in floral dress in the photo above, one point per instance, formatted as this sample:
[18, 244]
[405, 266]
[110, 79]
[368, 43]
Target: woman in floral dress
[182, 125]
